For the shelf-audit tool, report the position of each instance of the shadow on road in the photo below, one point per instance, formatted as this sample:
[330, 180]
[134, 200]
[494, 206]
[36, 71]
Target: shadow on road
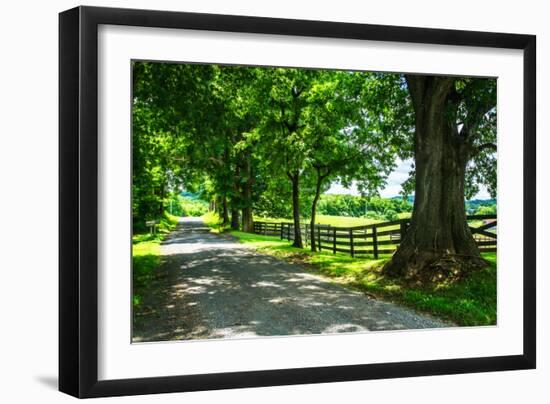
[211, 287]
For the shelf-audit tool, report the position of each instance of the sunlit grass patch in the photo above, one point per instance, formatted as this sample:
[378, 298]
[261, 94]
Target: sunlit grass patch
[336, 221]
[344, 221]
[470, 301]
[145, 259]
[146, 256]
[214, 221]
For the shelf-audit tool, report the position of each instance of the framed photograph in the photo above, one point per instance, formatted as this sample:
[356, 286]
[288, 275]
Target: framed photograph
[250, 201]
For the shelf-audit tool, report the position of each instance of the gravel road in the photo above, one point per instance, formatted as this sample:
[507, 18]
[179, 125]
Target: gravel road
[211, 286]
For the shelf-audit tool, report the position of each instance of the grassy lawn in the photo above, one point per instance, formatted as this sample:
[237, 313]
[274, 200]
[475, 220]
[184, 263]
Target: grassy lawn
[337, 221]
[468, 302]
[146, 256]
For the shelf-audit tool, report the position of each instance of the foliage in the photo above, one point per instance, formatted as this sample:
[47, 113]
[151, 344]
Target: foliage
[481, 207]
[215, 222]
[269, 141]
[486, 210]
[373, 207]
[223, 130]
[472, 113]
[163, 123]
[192, 206]
[238, 135]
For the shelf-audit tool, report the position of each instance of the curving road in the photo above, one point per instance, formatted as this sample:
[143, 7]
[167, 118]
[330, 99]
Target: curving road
[211, 286]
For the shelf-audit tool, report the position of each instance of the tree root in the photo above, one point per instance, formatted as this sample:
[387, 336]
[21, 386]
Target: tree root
[434, 267]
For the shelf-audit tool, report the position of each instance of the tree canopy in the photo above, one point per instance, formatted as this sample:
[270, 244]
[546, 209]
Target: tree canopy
[270, 141]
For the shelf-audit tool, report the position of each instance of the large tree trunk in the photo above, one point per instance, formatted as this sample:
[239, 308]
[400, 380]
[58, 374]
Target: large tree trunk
[235, 199]
[247, 220]
[438, 243]
[234, 216]
[295, 179]
[225, 211]
[314, 211]
[161, 202]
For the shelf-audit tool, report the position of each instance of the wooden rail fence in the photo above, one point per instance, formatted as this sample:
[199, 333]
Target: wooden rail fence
[373, 239]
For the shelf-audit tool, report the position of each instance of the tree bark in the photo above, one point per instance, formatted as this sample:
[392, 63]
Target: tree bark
[234, 217]
[314, 209]
[225, 211]
[161, 202]
[235, 199]
[438, 243]
[247, 220]
[295, 179]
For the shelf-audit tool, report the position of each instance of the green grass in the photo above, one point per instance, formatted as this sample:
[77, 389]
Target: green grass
[344, 221]
[146, 256]
[214, 221]
[145, 259]
[468, 302]
[337, 221]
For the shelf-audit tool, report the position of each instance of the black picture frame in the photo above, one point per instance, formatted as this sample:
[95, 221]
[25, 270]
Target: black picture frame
[78, 201]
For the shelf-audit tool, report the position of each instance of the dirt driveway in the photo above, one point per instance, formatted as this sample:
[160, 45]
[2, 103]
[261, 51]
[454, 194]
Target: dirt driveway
[210, 286]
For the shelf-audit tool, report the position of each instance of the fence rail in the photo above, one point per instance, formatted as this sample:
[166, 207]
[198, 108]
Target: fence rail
[372, 239]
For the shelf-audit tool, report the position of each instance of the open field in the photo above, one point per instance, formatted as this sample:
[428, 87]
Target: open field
[338, 221]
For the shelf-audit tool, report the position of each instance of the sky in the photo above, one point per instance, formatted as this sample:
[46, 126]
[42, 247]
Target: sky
[393, 186]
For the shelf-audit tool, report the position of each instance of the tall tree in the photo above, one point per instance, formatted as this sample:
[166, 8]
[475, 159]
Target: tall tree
[349, 135]
[455, 122]
[286, 143]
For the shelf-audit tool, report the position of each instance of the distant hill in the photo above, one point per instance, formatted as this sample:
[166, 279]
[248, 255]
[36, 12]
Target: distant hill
[190, 195]
[471, 205]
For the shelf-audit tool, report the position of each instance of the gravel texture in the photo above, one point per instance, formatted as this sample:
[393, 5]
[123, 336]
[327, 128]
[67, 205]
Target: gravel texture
[210, 286]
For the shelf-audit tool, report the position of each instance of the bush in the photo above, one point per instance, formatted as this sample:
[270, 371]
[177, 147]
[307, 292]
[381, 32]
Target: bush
[390, 215]
[193, 207]
[487, 210]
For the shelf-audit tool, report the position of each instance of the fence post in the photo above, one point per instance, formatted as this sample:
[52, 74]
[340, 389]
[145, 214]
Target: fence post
[351, 243]
[334, 241]
[319, 238]
[282, 226]
[374, 242]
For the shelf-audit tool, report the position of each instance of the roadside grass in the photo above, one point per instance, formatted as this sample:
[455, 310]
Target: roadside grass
[146, 257]
[214, 221]
[470, 301]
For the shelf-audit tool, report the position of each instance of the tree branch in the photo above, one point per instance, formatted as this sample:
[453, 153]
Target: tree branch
[485, 146]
